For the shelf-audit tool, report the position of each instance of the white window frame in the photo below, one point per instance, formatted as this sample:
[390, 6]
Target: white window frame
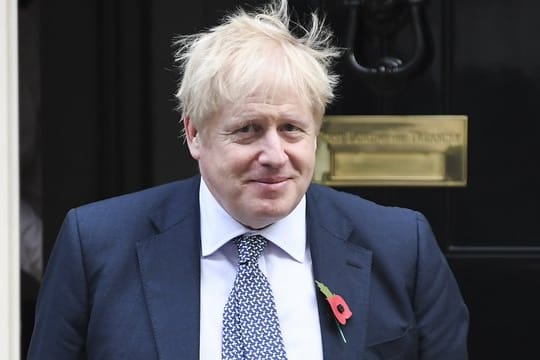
[9, 184]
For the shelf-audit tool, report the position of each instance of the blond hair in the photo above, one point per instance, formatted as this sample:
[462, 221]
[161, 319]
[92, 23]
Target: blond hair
[223, 64]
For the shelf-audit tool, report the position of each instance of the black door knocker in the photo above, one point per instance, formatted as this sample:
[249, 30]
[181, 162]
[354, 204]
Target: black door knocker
[381, 22]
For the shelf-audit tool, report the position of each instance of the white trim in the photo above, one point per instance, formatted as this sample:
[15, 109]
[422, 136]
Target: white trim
[9, 184]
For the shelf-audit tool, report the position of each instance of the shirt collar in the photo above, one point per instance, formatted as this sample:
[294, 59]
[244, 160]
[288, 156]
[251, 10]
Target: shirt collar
[218, 227]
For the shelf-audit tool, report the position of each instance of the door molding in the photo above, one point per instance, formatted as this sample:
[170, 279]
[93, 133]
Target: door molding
[9, 184]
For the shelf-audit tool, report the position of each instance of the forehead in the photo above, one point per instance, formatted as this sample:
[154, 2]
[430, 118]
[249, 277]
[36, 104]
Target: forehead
[276, 106]
[273, 103]
[274, 95]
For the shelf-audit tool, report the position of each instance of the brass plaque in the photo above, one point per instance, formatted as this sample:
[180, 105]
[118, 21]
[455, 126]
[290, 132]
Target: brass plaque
[426, 150]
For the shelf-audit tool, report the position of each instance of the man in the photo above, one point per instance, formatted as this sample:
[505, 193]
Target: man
[167, 273]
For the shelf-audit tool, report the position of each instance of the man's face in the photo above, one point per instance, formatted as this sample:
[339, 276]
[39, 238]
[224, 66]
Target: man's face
[257, 157]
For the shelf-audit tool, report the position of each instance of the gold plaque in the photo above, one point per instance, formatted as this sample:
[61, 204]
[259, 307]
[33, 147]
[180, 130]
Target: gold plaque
[426, 150]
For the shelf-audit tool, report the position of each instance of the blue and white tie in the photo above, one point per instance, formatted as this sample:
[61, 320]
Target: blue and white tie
[250, 322]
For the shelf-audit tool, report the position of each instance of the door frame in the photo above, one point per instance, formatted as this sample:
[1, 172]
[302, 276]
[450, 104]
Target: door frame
[9, 184]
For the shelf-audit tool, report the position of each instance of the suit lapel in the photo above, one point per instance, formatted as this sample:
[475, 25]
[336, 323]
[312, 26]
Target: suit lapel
[345, 268]
[170, 271]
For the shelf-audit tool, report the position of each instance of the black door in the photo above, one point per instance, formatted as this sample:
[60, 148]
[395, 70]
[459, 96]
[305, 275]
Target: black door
[481, 60]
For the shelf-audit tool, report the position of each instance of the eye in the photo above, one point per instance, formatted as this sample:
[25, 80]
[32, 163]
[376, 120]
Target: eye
[247, 129]
[246, 133]
[290, 128]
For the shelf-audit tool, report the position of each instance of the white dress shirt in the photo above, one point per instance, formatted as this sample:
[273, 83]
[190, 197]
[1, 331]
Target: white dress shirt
[286, 262]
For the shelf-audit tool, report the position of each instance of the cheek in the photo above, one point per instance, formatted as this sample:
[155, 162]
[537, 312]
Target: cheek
[305, 155]
[229, 161]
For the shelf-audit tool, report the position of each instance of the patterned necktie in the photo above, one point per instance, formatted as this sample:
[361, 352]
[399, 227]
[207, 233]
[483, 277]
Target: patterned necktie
[250, 322]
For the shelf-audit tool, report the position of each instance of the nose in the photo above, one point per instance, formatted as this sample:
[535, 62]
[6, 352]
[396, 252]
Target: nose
[273, 152]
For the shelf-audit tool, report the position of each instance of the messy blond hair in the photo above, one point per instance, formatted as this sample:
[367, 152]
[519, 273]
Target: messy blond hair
[223, 64]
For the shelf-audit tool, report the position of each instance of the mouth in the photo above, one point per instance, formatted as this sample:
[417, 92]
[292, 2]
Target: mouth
[271, 181]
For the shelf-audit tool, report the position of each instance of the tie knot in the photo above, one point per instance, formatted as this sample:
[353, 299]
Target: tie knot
[250, 247]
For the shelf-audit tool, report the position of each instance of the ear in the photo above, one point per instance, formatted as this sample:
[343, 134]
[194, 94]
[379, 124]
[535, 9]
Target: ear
[192, 137]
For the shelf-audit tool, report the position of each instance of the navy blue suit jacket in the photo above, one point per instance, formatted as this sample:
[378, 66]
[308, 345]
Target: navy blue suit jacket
[123, 280]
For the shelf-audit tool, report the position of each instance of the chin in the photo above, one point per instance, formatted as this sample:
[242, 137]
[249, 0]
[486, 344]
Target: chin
[258, 219]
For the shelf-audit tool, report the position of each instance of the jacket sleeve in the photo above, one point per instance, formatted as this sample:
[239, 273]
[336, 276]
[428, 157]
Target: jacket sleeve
[442, 317]
[62, 307]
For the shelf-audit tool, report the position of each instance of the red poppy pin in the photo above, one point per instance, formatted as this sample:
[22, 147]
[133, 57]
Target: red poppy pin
[339, 307]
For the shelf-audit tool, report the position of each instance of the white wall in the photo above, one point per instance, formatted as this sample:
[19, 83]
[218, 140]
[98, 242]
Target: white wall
[9, 184]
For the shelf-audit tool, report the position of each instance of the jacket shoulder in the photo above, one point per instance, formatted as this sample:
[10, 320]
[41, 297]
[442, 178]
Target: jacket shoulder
[140, 202]
[357, 209]
[137, 213]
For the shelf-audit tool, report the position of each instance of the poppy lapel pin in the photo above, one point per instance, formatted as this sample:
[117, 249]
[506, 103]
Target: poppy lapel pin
[338, 305]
